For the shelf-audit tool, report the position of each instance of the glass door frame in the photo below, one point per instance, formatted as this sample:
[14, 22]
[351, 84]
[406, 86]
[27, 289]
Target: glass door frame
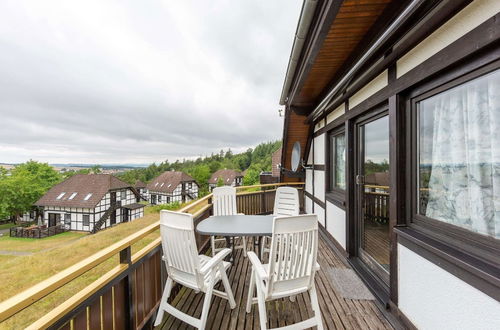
[369, 266]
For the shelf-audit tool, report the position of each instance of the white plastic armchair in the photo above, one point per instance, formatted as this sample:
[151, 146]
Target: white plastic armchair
[224, 203]
[292, 267]
[186, 267]
[286, 203]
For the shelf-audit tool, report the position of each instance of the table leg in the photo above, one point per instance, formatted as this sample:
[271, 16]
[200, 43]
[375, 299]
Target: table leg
[258, 243]
[230, 245]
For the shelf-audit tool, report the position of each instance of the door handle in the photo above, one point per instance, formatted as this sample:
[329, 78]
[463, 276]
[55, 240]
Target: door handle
[360, 179]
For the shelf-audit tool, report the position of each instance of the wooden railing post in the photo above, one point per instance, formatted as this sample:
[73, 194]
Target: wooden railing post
[262, 202]
[126, 258]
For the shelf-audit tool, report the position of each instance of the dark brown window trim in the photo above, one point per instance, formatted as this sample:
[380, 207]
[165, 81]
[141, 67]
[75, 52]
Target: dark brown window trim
[336, 199]
[482, 276]
[336, 195]
[315, 199]
[485, 249]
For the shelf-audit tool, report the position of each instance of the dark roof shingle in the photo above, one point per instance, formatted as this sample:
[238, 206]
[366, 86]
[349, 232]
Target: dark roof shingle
[168, 181]
[227, 176]
[95, 186]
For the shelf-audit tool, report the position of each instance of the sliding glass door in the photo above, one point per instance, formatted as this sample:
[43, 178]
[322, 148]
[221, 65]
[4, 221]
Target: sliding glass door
[372, 195]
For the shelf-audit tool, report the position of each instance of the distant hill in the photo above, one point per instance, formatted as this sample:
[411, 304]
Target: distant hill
[254, 160]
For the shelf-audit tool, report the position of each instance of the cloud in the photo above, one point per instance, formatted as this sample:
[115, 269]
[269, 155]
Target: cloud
[135, 82]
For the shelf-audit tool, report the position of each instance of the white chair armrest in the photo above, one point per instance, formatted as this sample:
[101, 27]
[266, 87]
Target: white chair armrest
[257, 265]
[218, 258]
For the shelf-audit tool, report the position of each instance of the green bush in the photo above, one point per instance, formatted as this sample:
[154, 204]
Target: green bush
[171, 206]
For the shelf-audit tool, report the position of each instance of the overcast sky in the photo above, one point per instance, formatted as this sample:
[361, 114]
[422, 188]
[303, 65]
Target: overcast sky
[140, 81]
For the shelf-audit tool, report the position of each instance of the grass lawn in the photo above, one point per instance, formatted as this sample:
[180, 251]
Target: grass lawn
[34, 245]
[18, 273]
[7, 225]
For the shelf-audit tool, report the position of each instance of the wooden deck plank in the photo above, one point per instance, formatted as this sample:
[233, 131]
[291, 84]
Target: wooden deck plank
[337, 312]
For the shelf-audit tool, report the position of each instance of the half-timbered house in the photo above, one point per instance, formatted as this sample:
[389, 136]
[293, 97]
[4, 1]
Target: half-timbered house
[396, 107]
[172, 186]
[231, 178]
[90, 202]
[141, 189]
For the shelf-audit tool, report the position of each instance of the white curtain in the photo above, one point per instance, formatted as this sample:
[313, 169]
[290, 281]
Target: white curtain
[460, 136]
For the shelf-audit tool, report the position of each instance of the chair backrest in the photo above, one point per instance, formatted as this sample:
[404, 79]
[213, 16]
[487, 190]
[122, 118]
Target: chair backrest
[292, 259]
[179, 248]
[224, 201]
[286, 202]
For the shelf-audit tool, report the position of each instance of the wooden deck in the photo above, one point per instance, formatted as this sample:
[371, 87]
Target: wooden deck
[337, 312]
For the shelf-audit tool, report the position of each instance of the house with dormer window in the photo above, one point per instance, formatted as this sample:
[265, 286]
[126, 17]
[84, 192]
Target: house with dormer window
[172, 186]
[90, 202]
[231, 178]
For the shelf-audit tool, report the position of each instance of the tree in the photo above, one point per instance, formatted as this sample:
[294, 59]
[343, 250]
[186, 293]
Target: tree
[220, 182]
[26, 184]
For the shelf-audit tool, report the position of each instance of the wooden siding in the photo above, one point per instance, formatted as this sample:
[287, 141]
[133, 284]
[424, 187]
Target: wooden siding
[353, 21]
[295, 130]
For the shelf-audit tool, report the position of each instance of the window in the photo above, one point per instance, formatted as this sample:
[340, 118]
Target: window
[67, 218]
[72, 196]
[123, 195]
[337, 161]
[87, 197]
[159, 198]
[458, 155]
[60, 195]
[86, 219]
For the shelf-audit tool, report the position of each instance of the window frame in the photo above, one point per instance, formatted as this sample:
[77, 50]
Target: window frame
[83, 220]
[482, 248]
[334, 194]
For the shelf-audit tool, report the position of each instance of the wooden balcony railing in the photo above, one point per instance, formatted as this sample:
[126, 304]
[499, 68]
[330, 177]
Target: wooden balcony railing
[127, 296]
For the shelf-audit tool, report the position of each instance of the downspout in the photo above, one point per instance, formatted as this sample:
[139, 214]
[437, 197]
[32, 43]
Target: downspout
[306, 15]
[374, 47]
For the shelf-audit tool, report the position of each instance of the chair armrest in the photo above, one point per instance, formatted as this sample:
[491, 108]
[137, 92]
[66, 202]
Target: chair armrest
[257, 265]
[218, 258]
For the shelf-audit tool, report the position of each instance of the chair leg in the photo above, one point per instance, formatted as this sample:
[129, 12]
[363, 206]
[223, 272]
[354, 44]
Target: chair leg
[164, 298]
[251, 290]
[207, 300]
[315, 307]
[244, 241]
[227, 287]
[262, 305]
[212, 243]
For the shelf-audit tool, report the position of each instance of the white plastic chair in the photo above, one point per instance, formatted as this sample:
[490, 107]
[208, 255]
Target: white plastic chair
[224, 203]
[286, 203]
[186, 267]
[294, 249]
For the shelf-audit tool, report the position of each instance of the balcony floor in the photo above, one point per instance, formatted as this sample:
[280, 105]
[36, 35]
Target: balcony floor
[337, 312]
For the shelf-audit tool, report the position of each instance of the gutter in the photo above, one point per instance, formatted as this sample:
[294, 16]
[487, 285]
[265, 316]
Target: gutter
[306, 16]
[401, 19]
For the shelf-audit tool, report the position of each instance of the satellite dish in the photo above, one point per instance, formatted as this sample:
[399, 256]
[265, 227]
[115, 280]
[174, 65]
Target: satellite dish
[295, 156]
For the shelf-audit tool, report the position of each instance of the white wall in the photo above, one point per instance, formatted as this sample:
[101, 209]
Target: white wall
[335, 223]
[339, 111]
[309, 174]
[466, 20]
[319, 150]
[432, 298]
[369, 89]
[321, 214]
[308, 205]
[319, 185]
